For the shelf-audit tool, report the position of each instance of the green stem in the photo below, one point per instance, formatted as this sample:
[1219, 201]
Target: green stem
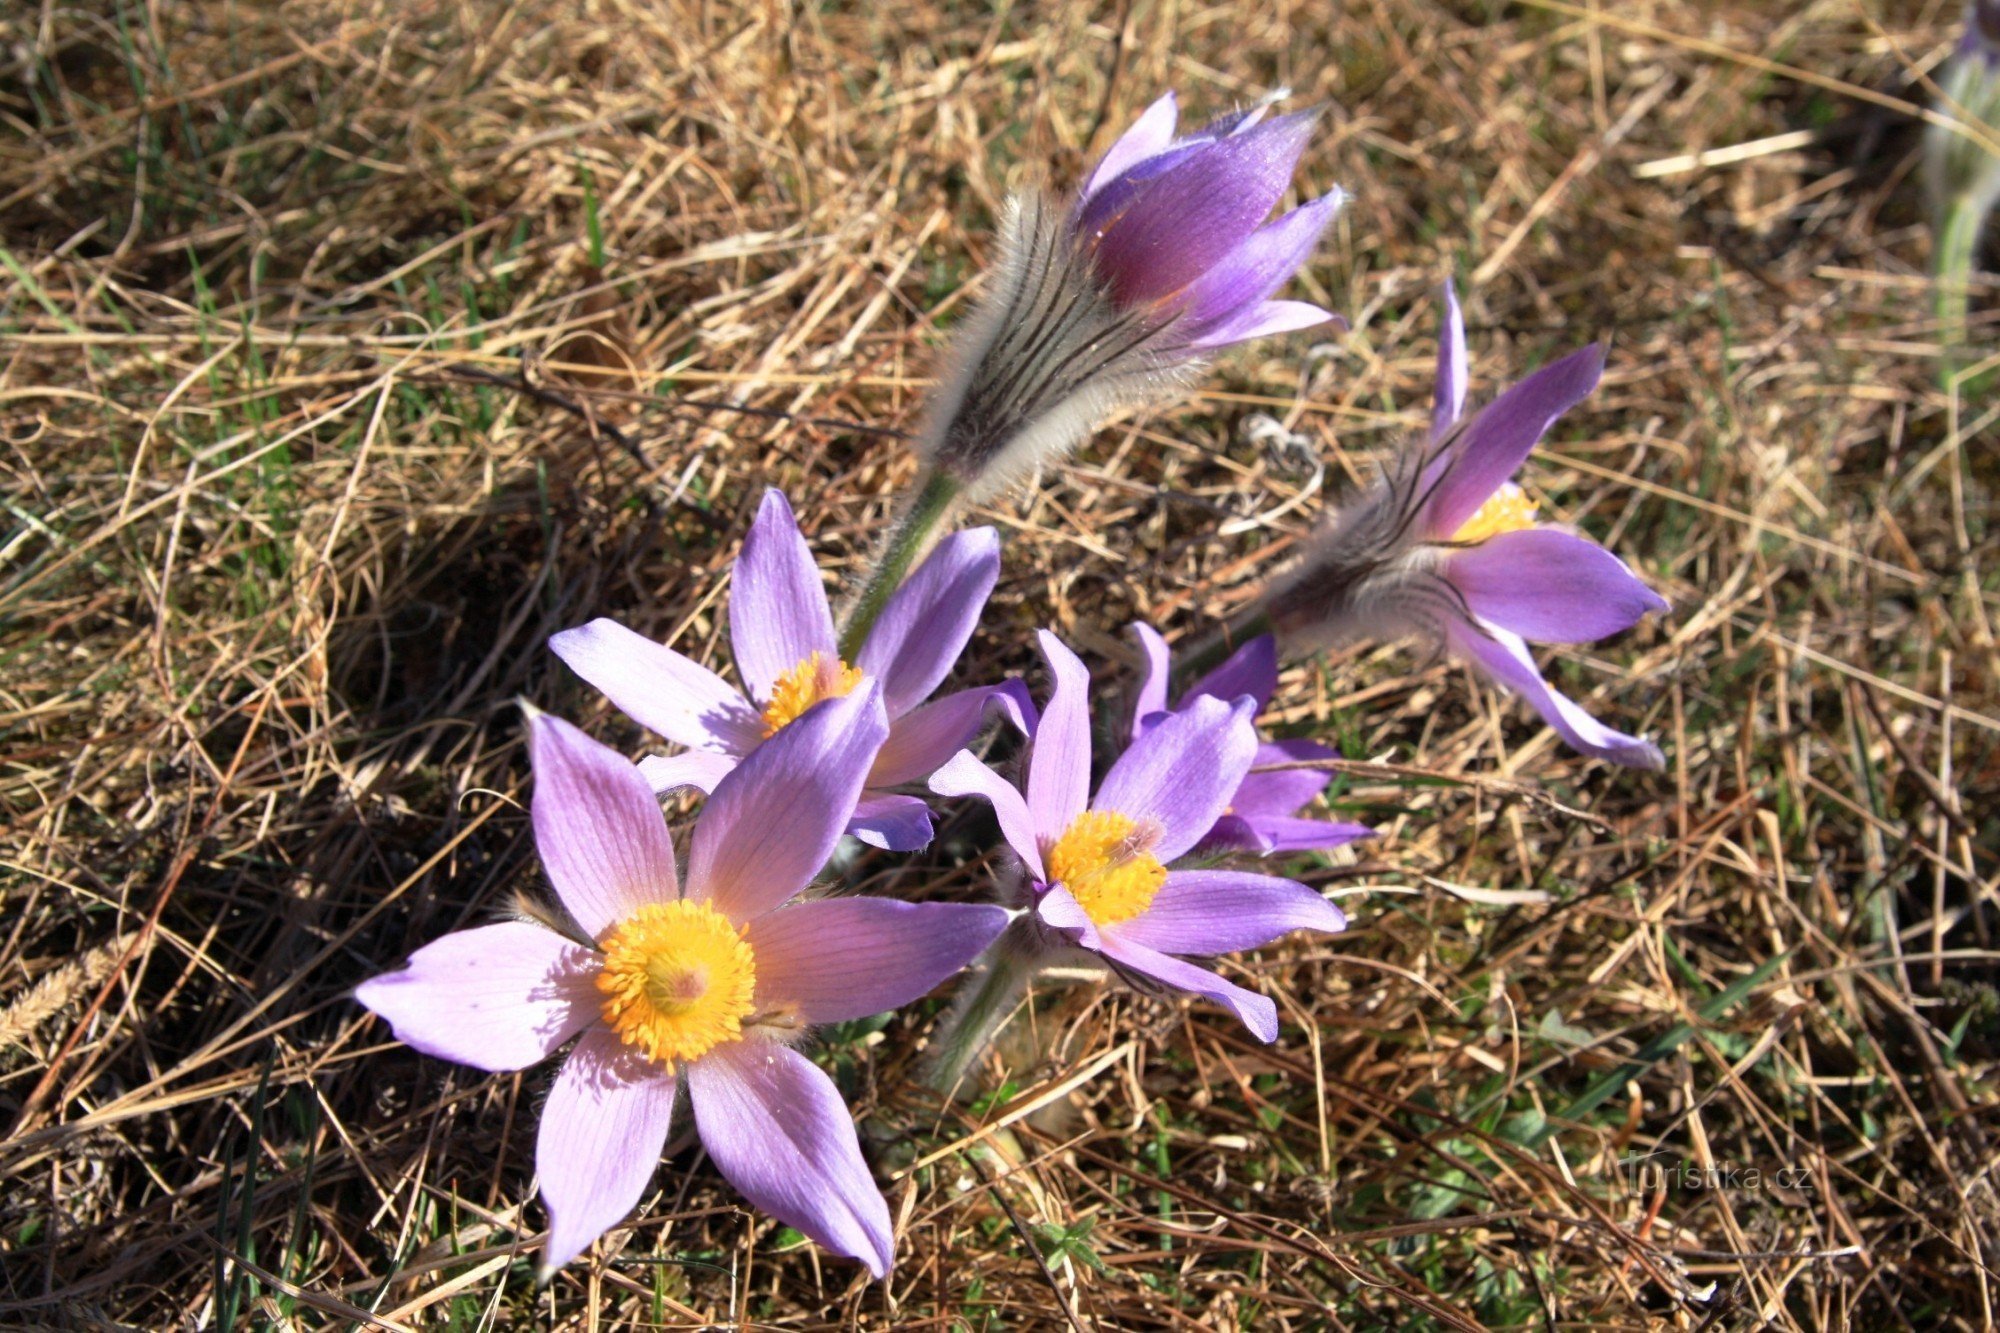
[911, 538]
[982, 1006]
[1957, 251]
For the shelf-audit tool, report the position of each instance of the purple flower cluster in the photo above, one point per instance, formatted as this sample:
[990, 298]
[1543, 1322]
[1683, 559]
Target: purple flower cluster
[696, 979]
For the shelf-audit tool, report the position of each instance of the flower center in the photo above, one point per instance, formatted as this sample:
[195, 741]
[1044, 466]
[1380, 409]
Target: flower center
[821, 676]
[1508, 510]
[1106, 861]
[678, 979]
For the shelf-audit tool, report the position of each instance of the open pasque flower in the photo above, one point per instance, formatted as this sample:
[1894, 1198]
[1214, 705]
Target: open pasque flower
[1097, 868]
[1446, 546]
[1115, 300]
[702, 984]
[782, 631]
[1262, 815]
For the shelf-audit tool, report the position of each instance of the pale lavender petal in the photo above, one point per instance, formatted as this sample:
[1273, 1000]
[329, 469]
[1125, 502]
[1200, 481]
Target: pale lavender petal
[1260, 266]
[778, 614]
[1059, 766]
[1152, 698]
[920, 741]
[1222, 911]
[1284, 790]
[928, 619]
[495, 997]
[964, 775]
[1266, 319]
[1274, 834]
[602, 1131]
[1504, 657]
[1495, 443]
[1451, 368]
[658, 688]
[1059, 910]
[1550, 586]
[1150, 134]
[1193, 215]
[1183, 772]
[780, 1134]
[775, 818]
[892, 822]
[1258, 1013]
[843, 958]
[700, 769]
[598, 827]
[1251, 669]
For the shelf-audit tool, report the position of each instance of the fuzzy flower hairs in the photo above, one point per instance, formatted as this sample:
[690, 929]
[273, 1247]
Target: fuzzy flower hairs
[1446, 547]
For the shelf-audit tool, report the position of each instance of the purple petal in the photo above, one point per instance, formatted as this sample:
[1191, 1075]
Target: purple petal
[778, 614]
[1059, 766]
[1267, 319]
[1504, 657]
[1496, 442]
[928, 620]
[598, 827]
[1258, 1013]
[1450, 392]
[1261, 265]
[1190, 217]
[1550, 586]
[778, 1130]
[1281, 833]
[700, 769]
[658, 688]
[602, 1131]
[1061, 912]
[1183, 772]
[892, 822]
[964, 775]
[1251, 669]
[844, 958]
[1285, 790]
[1222, 911]
[1151, 133]
[920, 741]
[774, 820]
[496, 997]
[1153, 688]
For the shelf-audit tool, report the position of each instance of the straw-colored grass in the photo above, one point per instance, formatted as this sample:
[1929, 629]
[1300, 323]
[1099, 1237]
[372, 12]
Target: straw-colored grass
[347, 350]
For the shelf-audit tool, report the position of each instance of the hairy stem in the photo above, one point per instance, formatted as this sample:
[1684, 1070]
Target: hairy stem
[981, 1008]
[912, 537]
[1957, 251]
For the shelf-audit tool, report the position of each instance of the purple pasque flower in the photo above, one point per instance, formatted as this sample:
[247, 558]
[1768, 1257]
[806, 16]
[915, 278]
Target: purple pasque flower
[1097, 867]
[1446, 545]
[704, 983]
[782, 631]
[1114, 301]
[1962, 166]
[1262, 816]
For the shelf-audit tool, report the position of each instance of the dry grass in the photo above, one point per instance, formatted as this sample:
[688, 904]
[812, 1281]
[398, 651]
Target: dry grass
[352, 348]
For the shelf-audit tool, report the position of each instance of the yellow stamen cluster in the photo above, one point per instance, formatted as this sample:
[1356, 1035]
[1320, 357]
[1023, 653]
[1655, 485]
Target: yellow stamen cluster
[821, 676]
[1105, 860]
[1508, 510]
[678, 979]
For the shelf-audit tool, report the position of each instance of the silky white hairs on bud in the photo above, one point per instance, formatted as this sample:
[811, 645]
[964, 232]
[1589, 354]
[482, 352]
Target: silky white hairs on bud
[1045, 357]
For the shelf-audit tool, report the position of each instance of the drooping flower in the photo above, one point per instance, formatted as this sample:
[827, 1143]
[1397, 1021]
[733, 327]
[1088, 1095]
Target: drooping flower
[1116, 300]
[1445, 545]
[1961, 168]
[704, 984]
[782, 630]
[1097, 869]
[1262, 815]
